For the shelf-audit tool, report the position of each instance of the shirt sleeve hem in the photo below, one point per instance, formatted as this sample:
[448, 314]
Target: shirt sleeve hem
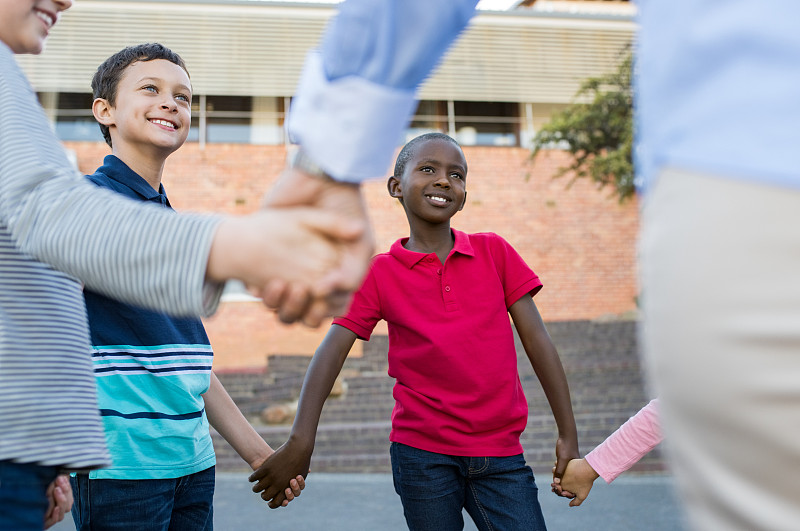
[531, 286]
[362, 332]
[336, 122]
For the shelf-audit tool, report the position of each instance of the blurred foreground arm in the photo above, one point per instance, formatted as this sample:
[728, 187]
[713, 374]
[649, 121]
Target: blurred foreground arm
[354, 100]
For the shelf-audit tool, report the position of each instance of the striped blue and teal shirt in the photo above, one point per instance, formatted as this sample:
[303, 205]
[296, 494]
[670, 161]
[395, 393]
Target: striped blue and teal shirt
[151, 371]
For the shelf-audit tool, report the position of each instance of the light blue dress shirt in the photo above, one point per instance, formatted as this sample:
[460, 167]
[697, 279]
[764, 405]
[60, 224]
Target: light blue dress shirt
[719, 88]
[357, 93]
[718, 85]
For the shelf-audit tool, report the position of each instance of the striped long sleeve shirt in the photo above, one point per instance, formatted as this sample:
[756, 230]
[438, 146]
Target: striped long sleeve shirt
[49, 214]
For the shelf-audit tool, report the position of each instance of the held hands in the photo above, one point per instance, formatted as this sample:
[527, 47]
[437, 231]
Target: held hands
[566, 450]
[354, 249]
[296, 485]
[576, 482]
[304, 261]
[59, 501]
[288, 461]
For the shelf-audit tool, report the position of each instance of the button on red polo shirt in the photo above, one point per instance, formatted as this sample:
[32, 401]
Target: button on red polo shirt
[451, 345]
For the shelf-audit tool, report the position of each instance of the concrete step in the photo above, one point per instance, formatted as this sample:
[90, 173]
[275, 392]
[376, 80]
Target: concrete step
[600, 360]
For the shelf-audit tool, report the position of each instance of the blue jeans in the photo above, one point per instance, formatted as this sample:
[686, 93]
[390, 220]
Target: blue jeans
[23, 495]
[180, 504]
[499, 493]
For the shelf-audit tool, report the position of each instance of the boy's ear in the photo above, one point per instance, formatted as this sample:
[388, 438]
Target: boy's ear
[103, 111]
[393, 185]
[464, 202]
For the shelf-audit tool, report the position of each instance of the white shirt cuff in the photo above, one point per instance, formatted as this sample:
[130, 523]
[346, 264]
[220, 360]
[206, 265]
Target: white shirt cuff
[350, 127]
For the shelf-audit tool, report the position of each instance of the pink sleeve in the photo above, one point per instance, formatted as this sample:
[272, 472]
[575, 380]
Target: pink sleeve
[623, 448]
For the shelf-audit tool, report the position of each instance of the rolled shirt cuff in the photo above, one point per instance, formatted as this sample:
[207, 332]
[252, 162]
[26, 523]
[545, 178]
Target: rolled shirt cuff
[349, 126]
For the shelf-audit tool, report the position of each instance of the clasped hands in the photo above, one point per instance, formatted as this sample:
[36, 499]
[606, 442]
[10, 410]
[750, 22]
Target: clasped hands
[303, 253]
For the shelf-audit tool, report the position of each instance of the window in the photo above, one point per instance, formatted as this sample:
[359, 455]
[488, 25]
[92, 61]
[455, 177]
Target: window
[237, 119]
[72, 113]
[471, 123]
[431, 116]
[483, 123]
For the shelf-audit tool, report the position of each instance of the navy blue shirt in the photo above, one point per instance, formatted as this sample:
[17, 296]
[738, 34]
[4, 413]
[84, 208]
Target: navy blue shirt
[151, 370]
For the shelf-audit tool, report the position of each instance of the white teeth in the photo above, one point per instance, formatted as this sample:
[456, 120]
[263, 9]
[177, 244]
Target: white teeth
[438, 199]
[47, 19]
[164, 123]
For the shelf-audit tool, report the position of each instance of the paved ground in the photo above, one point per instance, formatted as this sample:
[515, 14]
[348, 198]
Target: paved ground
[367, 502]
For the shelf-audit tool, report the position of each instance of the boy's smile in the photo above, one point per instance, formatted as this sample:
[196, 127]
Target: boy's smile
[433, 185]
[25, 24]
[151, 113]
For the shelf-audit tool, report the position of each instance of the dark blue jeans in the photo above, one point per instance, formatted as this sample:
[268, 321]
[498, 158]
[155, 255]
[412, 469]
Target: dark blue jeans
[23, 495]
[499, 493]
[180, 504]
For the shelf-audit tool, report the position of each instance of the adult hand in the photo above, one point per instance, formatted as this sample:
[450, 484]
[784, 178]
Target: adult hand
[295, 188]
[296, 247]
[288, 462]
[59, 498]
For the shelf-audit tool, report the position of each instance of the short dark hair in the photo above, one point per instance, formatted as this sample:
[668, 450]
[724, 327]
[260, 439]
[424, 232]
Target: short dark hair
[408, 150]
[106, 78]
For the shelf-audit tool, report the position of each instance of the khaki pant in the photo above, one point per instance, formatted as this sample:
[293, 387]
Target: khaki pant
[721, 336]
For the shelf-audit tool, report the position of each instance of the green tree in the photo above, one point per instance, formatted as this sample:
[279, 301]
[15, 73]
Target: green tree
[598, 134]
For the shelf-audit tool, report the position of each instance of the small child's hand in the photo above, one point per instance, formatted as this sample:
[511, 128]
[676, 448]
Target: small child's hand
[576, 482]
[59, 498]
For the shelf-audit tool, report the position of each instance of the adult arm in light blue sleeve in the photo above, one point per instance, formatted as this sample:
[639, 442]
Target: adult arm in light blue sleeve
[357, 92]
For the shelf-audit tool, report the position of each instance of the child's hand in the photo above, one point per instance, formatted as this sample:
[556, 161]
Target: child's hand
[288, 464]
[296, 485]
[576, 482]
[566, 450]
[59, 498]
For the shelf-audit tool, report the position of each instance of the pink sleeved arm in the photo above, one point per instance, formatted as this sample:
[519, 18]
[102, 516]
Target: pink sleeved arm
[623, 448]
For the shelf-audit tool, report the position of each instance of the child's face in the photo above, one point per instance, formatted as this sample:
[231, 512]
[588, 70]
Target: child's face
[152, 108]
[434, 184]
[25, 24]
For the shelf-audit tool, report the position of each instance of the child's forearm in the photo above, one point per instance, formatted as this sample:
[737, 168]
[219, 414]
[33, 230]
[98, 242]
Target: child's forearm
[551, 374]
[628, 444]
[294, 457]
[224, 415]
[325, 366]
[546, 364]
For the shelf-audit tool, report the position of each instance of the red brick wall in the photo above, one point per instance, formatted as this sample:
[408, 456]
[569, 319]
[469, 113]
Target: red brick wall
[579, 240]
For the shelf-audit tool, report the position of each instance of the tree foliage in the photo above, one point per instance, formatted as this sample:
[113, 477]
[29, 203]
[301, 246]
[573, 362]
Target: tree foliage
[598, 134]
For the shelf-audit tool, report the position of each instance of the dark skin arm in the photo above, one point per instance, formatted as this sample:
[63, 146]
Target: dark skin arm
[547, 366]
[294, 456]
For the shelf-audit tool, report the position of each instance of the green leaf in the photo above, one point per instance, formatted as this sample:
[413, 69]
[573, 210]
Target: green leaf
[598, 134]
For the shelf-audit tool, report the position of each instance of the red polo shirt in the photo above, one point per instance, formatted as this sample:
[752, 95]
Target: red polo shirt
[451, 346]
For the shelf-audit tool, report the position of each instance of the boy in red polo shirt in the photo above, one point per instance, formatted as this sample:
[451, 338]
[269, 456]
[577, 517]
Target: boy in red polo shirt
[460, 407]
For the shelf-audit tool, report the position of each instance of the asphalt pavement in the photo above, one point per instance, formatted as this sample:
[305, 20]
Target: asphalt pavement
[367, 502]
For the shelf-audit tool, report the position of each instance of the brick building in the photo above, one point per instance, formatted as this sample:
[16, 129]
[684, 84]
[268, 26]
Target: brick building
[501, 81]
